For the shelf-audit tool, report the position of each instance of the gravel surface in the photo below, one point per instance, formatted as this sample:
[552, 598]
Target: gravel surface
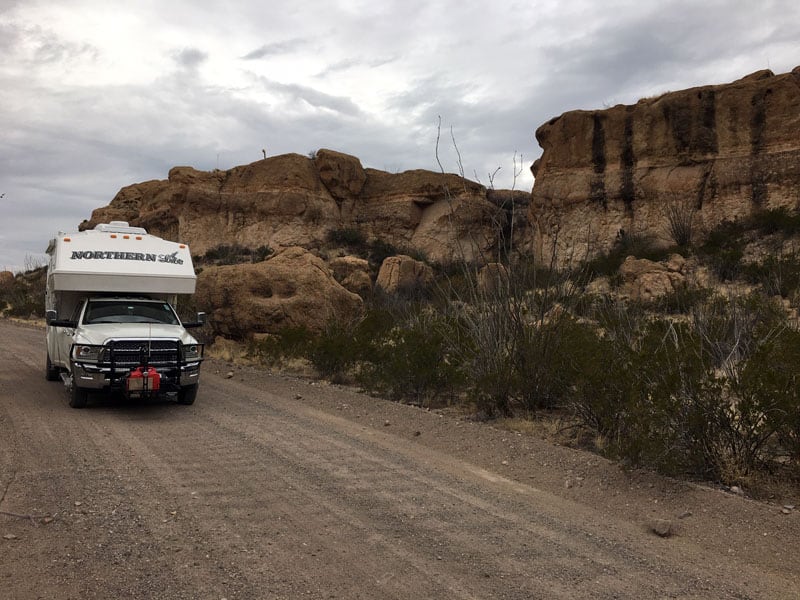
[274, 487]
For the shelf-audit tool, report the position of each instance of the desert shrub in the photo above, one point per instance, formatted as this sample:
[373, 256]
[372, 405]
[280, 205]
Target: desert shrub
[511, 338]
[335, 351]
[712, 396]
[730, 328]
[778, 220]
[412, 361]
[290, 342]
[680, 301]
[380, 250]
[724, 249]
[652, 400]
[627, 244]
[233, 254]
[24, 295]
[353, 238]
[680, 221]
[261, 253]
[768, 392]
[777, 275]
[548, 361]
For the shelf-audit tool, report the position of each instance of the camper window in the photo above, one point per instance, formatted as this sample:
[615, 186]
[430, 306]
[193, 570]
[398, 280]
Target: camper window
[128, 311]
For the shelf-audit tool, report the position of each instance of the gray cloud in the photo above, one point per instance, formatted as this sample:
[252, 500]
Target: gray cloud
[190, 58]
[377, 79]
[275, 48]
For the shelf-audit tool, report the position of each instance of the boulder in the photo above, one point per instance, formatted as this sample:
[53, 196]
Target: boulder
[647, 280]
[341, 174]
[353, 273]
[293, 288]
[403, 273]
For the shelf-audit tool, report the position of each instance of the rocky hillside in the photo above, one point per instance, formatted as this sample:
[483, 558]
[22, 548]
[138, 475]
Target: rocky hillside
[293, 241]
[294, 200]
[702, 156]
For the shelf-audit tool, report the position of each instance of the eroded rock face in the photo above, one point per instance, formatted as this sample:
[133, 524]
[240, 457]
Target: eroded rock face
[353, 273]
[704, 154]
[294, 200]
[400, 273]
[293, 288]
[341, 174]
[647, 280]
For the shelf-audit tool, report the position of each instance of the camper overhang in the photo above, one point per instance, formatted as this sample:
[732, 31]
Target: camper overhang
[120, 259]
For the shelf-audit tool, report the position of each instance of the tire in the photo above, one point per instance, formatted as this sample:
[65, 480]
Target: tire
[78, 397]
[51, 373]
[187, 395]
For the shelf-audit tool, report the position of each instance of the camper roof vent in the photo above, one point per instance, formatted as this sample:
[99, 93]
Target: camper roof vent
[120, 227]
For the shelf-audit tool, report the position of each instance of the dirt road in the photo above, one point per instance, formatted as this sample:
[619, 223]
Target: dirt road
[272, 487]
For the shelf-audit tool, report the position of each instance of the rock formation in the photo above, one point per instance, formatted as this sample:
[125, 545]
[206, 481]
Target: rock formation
[403, 273]
[293, 288]
[645, 280]
[293, 200]
[700, 156]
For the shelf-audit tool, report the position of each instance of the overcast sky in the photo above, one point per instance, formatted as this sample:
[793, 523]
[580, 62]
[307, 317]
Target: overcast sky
[99, 94]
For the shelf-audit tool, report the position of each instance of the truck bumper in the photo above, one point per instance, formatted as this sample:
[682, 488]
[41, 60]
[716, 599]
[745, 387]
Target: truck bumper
[99, 379]
[96, 380]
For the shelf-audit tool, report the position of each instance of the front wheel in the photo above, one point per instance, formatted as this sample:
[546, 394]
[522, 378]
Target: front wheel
[187, 395]
[78, 396]
[51, 373]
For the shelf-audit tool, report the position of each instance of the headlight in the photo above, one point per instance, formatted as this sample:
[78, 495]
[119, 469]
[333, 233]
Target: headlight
[84, 352]
[192, 351]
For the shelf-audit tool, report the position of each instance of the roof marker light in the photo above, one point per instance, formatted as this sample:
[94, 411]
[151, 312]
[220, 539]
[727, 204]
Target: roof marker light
[138, 237]
[114, 235]
[126, 237]
[67, 239]
[182, 246]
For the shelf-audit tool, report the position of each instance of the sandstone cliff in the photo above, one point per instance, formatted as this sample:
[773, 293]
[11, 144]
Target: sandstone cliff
[286, 208]
[704, 155]
[294, 200]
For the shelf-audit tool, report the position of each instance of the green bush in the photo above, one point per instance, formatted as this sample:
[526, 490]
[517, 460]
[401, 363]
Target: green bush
[350, 237]
[768, 392]
[335, 351]
[380, 250]
[412, 361]
[548, 362]
[778, 220]
[713, 396]
[233, 254]
[680, 301]
[290, 342]
[627, 244]
[24, 296]
[777, 275]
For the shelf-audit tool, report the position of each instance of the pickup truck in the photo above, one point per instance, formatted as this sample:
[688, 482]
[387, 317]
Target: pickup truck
[111, 321]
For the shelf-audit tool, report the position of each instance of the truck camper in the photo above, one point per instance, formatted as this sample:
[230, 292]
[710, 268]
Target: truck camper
[111, 321]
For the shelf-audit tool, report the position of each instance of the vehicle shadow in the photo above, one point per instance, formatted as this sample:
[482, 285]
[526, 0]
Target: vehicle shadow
[117, 402]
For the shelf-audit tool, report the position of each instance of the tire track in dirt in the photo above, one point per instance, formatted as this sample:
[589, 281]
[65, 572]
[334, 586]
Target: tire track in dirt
[251, 494]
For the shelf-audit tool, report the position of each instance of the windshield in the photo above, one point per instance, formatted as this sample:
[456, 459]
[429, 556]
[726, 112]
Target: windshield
[128, 311]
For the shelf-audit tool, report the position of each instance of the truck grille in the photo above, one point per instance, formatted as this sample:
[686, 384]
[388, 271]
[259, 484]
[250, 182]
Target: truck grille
[129, 354]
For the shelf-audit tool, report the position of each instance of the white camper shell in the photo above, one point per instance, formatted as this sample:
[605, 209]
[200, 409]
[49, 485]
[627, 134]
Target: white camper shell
[111, 322]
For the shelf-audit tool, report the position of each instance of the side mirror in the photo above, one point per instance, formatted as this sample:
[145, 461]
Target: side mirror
[50, 315]
[201, 320]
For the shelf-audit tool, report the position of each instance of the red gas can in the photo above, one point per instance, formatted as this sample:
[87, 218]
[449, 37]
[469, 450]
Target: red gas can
[143, 380]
